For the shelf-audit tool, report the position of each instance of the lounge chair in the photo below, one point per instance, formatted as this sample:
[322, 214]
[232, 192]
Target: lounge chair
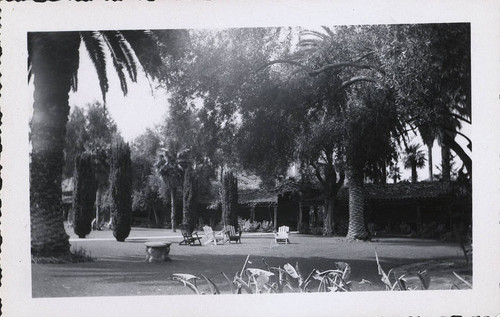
[232, 235]
[282, 235]
[189, 237]
[212, 236]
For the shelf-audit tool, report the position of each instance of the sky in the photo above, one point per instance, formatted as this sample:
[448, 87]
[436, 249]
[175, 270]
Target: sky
[142, 108]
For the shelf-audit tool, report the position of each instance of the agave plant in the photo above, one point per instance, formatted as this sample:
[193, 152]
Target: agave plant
[399, 283]
[275, 279]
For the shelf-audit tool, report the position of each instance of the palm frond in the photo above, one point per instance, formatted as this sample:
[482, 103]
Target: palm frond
[118, 65]
[30, 50]
[328, 31]
[95, 49]
[317, 34]
[146, 49]
[308, 43]
[123, 53]
[123, 57]
[74, 81]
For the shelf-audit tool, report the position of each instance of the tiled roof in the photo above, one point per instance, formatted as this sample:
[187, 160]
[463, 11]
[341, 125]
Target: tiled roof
[401, 191]
[374, 192]
[406, 191]
[257, 196]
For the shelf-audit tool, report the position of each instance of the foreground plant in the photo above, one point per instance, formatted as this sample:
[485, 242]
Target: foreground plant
[289, 279]
[399, 283]
[276, 280]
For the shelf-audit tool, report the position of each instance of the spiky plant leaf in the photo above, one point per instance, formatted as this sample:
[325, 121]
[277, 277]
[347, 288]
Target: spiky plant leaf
[231, 284]
[463, 280]
[213, 287]
[425, 279]
[186, 280]
[291, 271]
[243, 285]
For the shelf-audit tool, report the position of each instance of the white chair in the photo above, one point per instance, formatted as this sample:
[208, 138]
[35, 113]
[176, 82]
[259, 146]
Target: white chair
[213, 237]
[282, 235]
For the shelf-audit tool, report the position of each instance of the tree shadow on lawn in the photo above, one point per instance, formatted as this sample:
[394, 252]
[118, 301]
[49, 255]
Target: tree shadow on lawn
[413, 242]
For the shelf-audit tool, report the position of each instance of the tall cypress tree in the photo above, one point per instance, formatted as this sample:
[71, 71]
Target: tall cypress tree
[84, 194]
[229, 199]
[120, 181]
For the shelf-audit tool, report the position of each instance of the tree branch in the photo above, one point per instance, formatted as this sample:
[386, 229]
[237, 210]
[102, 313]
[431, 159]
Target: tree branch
[462, 155]
[356, 79]
[318, 174]
[339, 65]
[364, 56]
[285, 61]
[315, 72]
[452, 131]
[341, 180]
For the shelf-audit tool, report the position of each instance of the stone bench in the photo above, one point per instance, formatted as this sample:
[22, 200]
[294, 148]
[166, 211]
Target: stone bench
[157, 251]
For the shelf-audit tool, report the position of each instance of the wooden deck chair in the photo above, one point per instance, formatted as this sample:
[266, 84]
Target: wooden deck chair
[212, 236]
[232, 235]
[189, 237]
[282, 235]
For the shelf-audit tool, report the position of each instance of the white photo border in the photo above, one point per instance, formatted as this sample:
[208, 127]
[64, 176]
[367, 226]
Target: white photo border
[20, 18]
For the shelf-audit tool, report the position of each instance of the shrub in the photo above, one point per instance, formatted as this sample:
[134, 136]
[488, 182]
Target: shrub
[84, 194]
[303, 228]
[404, 228]
[120, 181]
[247, 225]
[318, 231]
[432, 230]
[266, 226]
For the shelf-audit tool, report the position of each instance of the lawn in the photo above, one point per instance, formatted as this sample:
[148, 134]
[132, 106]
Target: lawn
[119, 268]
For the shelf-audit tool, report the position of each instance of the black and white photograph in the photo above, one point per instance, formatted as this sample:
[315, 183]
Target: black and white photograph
[284, 166]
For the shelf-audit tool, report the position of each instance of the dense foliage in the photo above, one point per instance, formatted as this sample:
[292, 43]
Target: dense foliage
[120, 181]
[337, 105]
[84, 192]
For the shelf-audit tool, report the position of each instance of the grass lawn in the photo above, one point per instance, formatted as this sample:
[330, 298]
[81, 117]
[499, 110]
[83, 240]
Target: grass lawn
[119, 267]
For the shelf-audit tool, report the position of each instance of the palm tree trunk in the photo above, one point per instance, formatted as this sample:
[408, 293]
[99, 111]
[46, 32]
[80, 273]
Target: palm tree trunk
[172, 203]
[53, 60]
[429, 154]
[445, 162]
[357, 228]
[384, 173]
[414, 175]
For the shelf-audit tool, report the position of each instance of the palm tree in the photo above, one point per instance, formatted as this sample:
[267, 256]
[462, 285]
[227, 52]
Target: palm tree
[170, 166]
[414, 158]
[394, 173]
[428, 134]
[53, 60]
